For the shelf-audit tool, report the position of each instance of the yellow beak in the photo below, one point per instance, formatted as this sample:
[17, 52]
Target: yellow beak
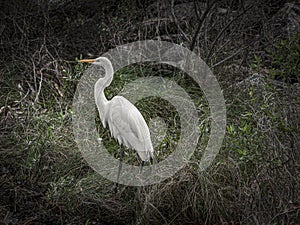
[87, 60]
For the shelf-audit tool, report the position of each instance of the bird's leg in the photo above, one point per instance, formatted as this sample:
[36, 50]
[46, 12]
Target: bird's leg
[120, 164]
[153, 161]
[120, 168]
[142, 166]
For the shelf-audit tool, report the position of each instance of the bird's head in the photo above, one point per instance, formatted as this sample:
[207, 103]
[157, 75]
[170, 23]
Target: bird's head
[106, 64]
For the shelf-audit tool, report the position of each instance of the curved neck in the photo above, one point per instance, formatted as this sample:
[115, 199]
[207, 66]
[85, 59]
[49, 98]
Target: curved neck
[101, 84]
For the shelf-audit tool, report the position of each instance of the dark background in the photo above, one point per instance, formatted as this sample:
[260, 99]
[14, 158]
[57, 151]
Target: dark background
[40, 42]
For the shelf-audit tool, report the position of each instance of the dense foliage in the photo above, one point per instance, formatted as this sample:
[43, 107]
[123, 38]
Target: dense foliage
[253, 49]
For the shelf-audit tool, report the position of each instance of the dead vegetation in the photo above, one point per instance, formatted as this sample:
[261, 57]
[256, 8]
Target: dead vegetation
[255, 178]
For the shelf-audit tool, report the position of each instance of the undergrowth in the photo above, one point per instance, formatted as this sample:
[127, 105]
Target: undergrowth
[256, 172]
[44, 177]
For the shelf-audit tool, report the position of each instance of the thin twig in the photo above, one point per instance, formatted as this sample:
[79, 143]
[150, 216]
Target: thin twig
[282, 213]
[226, 59]
[157, 210]
[201, 20]
[222, 31]
[176, 22]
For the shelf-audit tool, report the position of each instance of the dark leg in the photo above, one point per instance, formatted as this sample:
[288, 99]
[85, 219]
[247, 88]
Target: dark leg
[119, 171]
[142, 166]
[153, 161]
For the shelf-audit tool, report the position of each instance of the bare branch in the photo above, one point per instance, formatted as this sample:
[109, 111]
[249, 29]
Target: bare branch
[227, 58]
[201, 20]
[222, 31]
[177, 23]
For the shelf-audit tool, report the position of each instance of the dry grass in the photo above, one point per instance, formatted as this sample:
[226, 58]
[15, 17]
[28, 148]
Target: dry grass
[45, 180]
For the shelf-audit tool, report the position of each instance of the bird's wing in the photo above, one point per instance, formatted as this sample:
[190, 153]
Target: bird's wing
[124, 118]
[128, 126]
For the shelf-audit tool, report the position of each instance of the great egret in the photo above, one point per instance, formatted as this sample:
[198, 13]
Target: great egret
[125, 121]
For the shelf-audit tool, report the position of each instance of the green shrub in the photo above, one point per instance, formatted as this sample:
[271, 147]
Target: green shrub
[285, 59]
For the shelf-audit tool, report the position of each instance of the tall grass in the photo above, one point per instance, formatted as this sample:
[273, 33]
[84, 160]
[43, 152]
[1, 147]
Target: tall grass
[255, 178]
[44, 178]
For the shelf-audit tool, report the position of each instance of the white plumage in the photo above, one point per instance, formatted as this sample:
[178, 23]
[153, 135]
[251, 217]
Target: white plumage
[128, 126]
[126, 123]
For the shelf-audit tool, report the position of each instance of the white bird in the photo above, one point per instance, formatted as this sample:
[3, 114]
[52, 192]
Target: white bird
[125, 121]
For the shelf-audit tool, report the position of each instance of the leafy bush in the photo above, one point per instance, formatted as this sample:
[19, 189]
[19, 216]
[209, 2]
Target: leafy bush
[285, 59]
